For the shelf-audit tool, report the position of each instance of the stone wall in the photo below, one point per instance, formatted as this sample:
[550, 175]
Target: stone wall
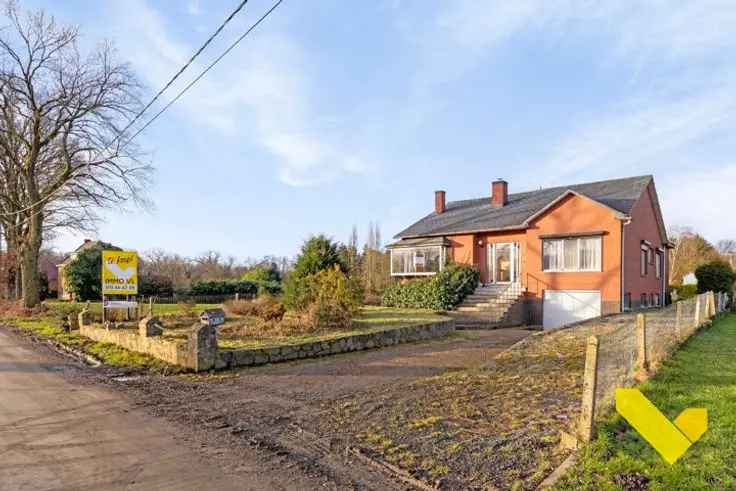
[389, 337]
[167, 350]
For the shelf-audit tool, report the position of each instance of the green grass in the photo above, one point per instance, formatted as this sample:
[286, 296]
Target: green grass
[51, 328]
[701, 374]
[64, 308]
[370, 320]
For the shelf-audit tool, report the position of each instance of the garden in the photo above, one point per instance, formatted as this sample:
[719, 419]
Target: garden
[322, 298]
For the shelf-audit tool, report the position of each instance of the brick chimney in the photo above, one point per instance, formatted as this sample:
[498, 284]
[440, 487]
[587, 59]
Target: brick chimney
[439, 202]
[499, 193]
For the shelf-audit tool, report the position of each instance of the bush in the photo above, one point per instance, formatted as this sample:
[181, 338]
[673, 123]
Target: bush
[716, 276]
[266, 308]
[155, 285]
[266, 277]
[442, 292]
[85, 272]
[317, 254]
[223, 288]
[336, 299]
[684, 291]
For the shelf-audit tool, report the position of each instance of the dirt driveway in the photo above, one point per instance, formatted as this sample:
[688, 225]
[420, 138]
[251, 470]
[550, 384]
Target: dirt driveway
[271, 422]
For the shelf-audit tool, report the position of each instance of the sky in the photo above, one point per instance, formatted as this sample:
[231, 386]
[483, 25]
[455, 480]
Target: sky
[333, 113]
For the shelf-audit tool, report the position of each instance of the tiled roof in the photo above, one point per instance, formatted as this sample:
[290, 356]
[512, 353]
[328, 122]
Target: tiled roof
[478, 215]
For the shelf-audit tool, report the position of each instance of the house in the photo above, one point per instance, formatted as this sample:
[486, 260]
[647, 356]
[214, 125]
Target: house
[64, 293]
[551, 256]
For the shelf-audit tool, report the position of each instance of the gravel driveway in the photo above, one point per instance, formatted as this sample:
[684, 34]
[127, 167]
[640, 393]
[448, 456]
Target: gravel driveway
[268, 422]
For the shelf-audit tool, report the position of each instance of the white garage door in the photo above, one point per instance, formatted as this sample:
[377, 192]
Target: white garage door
[563, 307]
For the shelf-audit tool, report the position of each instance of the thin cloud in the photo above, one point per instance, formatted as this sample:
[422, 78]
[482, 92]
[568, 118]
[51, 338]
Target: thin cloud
[263, 93]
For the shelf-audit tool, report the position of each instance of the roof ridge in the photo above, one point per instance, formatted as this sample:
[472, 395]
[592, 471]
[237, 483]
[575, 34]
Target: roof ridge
[561, 187]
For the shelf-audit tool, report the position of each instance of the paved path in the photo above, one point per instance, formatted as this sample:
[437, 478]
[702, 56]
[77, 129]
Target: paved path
[58, 435]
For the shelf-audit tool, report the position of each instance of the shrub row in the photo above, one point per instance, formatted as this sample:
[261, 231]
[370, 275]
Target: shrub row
[441, 292]
[223, 288]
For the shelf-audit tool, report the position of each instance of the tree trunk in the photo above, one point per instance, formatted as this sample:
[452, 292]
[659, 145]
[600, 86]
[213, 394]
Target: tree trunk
[30, 276]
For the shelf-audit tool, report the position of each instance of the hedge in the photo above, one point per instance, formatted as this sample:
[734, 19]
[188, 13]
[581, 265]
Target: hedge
[443, 291]
[223, 288]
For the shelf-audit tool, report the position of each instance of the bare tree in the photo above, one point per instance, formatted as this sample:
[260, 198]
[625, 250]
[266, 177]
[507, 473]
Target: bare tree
[61, 143]
[726, 246]
[690, 251]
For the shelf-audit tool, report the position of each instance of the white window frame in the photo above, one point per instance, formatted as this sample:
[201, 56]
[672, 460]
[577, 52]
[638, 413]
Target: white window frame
[658, 264]
[577, 269]
[443, 254]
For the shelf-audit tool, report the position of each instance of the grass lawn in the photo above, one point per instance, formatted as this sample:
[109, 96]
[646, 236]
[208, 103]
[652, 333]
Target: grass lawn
[50, 327]
[701, 374]
[370, 319]
[64, 308]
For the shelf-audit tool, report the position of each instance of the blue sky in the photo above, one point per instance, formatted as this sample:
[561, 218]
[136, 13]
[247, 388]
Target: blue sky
[337, 113]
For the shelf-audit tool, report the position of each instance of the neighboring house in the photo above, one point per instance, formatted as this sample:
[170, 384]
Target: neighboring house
[571, 252]
[64, 292]
[47, 266]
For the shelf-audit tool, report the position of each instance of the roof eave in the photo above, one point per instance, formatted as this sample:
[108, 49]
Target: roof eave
[462, 232]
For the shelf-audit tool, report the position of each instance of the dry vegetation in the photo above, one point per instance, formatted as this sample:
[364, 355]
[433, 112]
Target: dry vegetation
[495, 427]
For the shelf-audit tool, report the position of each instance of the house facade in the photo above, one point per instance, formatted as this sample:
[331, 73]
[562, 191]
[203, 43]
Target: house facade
[62, 281]
[572, 252]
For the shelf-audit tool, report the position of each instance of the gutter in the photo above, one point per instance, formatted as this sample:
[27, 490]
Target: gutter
[624, 222]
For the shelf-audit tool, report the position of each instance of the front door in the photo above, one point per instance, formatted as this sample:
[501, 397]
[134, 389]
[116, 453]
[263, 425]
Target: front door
[503, 262]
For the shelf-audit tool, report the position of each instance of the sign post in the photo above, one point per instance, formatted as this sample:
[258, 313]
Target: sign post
[119, 278]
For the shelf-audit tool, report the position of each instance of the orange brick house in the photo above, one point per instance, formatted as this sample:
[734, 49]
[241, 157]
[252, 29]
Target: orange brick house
[571, 252]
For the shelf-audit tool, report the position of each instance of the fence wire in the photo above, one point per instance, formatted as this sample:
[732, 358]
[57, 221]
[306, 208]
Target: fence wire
[620, 354]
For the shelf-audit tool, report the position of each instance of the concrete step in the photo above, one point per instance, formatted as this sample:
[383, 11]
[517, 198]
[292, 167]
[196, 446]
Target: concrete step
[468, 309]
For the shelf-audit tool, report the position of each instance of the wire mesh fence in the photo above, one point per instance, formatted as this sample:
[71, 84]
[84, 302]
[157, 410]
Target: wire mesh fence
[627, 349]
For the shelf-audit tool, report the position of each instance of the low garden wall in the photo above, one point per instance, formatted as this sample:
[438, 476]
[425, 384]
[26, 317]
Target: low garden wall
[358, 342]
[200, 352]
[164, 349]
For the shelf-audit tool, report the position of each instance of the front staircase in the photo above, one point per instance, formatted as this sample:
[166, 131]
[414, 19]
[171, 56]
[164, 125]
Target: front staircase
[489, 306]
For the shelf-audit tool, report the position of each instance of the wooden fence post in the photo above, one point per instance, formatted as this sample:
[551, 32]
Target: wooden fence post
[678, 321]
[696, 319]
[587, 411]
[641, 342]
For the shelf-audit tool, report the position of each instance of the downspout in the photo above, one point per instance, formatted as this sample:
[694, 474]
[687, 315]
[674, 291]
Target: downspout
[623, 256]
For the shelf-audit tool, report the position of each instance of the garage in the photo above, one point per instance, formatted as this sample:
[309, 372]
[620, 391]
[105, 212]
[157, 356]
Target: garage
[563, 307]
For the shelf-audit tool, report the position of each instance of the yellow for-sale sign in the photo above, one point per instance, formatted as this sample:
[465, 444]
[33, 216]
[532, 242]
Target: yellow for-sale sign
[119, 273]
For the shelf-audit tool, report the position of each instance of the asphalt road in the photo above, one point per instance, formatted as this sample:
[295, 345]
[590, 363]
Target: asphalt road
[55, 434]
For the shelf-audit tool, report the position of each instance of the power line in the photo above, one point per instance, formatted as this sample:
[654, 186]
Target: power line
[227, 20]
[184, 67]
[207, 69]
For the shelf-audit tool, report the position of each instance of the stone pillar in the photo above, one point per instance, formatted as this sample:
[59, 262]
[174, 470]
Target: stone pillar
[149, 327]
[678, 321]
[696, 317]
[84, 318]
[202, 347]
[590, 381]
[73, 321]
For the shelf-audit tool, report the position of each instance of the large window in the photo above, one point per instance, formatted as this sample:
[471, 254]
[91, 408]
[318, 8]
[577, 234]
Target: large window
[658, 264]
[416, 261]
[574, 254]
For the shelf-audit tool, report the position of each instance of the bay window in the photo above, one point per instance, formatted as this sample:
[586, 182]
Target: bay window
[409, 261]
[571, 254]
